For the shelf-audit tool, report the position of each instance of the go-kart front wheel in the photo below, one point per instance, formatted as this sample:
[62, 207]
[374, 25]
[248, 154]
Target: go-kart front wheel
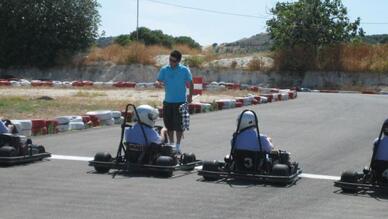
[349, 177]
[8, 151]
[212, 166]
[102, 157]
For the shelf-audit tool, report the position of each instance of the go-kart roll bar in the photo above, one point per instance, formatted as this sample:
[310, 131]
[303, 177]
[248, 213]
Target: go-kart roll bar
[123, 125]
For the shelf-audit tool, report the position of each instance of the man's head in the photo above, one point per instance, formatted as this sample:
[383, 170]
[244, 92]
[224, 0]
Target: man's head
[175, 58]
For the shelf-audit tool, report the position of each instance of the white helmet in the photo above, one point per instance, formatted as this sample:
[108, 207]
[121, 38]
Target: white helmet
[147, 114]
[247, 120]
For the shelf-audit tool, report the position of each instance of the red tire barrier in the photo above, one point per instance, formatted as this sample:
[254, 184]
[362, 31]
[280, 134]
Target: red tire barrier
[220, 105]
[95, 121]
[239, 104]
[194, 108]
[255, 101]
[198, 85]
[38, 127]
[77, 84]
[268, 96]
[51, 126]
[88, 83]
[36, 83]
[258, 99]
[254, 89]
[130, 84]
[5, 83]
[38, 123]
[87, 121]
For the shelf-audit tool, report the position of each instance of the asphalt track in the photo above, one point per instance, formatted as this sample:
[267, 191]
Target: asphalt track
[326, 134]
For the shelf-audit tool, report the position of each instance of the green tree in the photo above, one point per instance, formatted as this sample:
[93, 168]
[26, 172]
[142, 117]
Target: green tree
[157, 37]
[40, 32]
[123, 40]
[311, 23]
[187, 41]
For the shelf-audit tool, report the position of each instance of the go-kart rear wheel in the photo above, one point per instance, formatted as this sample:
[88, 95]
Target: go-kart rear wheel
[280, 170]
[41, 149]
[102, 157]
[8, 151]
[165, 161]
[210, 166]
[349, 177]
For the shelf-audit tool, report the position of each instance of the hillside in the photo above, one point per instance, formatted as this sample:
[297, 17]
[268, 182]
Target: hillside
[256, 43]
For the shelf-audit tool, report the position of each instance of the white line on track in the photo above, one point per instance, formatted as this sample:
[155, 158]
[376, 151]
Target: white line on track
[316, 176]
[303, 175]
[65, 157]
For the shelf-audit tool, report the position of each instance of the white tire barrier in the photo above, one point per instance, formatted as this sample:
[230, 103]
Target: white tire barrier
[76, 125]
[23, 127]
[105, 116]
[118, 119]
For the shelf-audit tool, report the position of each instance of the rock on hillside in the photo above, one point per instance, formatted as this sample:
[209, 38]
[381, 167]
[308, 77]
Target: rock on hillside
[256, 43]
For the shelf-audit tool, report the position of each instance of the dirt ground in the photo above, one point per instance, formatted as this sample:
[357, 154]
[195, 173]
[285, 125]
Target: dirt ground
[45, 103]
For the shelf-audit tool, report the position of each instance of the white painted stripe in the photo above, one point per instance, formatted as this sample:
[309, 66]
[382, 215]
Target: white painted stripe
[80, 158]
[304, 175]
[316, 176]
[65, 157]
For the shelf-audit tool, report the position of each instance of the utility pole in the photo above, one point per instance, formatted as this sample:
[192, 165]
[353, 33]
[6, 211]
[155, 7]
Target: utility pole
[137, 22]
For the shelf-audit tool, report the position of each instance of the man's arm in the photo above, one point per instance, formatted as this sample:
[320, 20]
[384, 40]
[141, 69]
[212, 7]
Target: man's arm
[190, 96]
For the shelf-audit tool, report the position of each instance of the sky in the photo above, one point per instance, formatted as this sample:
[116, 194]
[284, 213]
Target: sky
[217, 21]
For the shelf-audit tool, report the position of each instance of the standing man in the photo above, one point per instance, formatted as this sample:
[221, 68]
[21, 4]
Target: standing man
[175, 76]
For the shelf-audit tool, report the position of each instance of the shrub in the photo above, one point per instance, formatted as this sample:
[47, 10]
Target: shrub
[194, 61]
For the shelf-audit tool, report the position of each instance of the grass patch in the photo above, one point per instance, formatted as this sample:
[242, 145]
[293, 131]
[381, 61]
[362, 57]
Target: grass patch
[81, 93]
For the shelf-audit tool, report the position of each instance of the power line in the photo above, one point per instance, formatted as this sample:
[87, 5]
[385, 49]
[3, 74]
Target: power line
[207, 10]
[383, 23]
[236, 14]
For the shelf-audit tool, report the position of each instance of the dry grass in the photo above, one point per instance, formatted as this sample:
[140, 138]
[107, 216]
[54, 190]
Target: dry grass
[255, 64]
[184, 49]
[123, 55]
[132, 53]
[351, 57]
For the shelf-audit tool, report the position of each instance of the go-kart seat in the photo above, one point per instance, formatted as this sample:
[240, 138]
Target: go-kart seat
[8, 139]
[378, 168]
[246, 160]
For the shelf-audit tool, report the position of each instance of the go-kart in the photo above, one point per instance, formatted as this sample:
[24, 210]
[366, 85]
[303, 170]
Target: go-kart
[150, 158]
[367, 180]
[275, 167]
[17, 149]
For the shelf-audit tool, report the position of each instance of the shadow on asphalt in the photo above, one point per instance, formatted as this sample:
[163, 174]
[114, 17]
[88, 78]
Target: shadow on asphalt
[238, 183]
[377, 195]
[131, 174]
